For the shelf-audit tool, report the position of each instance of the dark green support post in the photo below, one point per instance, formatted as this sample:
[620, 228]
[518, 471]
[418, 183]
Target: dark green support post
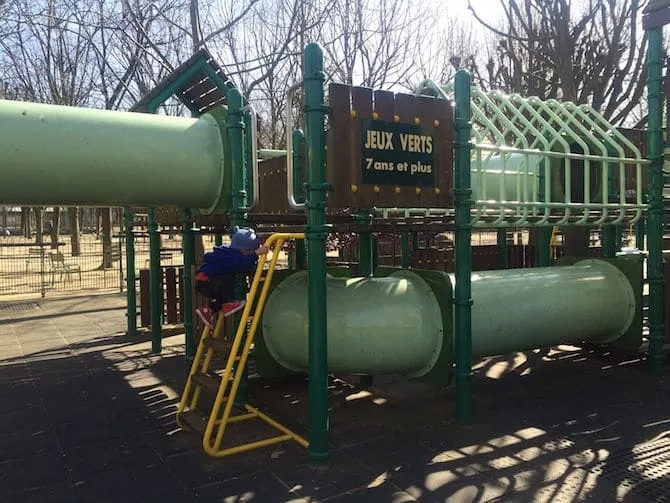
[248, 151]
[218, 239]
[544, 254]
[655, 208]
[502, 248]
[238, 198]
[608, 240]
[463, 258]
[405, 255]
[315, 233]
[156, 282]
[639, 233]
[365, 246]
[366, 266]
[544, 246]
[298, 149]
[131, 294]
[188, 246]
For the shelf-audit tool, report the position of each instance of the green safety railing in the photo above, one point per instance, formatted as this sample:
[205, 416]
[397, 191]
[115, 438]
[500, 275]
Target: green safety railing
[518, 147]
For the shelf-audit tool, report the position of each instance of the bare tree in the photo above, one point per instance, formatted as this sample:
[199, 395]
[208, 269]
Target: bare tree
[586, 52]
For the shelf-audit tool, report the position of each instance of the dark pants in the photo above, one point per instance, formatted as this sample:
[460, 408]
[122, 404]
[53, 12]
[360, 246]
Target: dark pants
[220, 289]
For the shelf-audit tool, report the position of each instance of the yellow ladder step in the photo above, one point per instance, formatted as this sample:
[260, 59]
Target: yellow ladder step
[208, 382]
[194, 421]
[218, 345]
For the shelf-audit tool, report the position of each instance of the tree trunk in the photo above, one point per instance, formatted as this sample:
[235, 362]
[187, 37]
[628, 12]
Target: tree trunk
[55, 227]
[39, 225]
[25, 222]
[106, 214]
[73, 217]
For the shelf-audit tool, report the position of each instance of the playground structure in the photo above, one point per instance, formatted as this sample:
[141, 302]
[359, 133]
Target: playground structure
[448, 159]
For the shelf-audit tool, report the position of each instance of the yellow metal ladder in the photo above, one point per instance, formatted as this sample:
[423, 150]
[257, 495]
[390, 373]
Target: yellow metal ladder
[224, 387]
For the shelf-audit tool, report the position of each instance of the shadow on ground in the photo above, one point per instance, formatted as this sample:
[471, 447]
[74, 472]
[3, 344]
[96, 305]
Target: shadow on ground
[87, 414]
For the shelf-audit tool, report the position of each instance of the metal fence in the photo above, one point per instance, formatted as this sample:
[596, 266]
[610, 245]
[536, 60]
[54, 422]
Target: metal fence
[30, 268]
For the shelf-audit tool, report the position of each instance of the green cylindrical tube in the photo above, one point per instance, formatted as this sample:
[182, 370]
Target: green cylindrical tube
[69, 156]
[396, 324]
[375, 325]
[521, 309]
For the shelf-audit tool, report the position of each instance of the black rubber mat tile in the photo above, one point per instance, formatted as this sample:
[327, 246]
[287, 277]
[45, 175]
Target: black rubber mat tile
[257, 487]
[150, 483]
[85, 460]
[382, 493]
[195, 469]
[26, 442]
[32, 417]
[60, 493]
[317, 482]
[32, 472]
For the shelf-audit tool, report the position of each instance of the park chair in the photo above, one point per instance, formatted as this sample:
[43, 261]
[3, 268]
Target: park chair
[58, 265]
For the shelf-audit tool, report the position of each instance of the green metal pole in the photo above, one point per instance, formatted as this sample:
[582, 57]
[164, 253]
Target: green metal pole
[315, 233]
[155, 281]
[188, 246]
[406, 258]
[366, 264]
[655, 208]
[218, 239]
[365, 246]
[463, 258]
[608, 233]
[639, 233]
[238, 199]
[131, 299]
[544, 246]
[248, 150]
[298, 148]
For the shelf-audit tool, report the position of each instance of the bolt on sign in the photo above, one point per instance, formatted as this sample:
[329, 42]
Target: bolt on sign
[389, 150]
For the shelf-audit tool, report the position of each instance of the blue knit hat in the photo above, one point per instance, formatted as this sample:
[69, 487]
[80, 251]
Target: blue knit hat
[244, 239]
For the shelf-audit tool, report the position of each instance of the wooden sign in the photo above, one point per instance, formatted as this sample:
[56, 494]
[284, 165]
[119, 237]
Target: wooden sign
[388, 150]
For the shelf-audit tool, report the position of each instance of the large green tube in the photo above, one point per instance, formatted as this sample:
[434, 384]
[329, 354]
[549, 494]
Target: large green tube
[69, 156]
[375, 325]
[395, 324]
[520, 309]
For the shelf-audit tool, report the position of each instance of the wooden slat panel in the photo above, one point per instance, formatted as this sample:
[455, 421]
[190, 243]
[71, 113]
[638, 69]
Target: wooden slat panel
[361, 102]
[171, 295]
[384, 105]
[338, 169]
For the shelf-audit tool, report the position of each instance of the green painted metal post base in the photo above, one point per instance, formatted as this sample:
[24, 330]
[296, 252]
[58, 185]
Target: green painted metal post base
[156, 283]
[316, 233]
[131, 294]
[189, 260]
[463, 257]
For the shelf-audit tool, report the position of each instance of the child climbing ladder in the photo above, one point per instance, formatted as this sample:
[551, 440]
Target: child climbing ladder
[223, 269]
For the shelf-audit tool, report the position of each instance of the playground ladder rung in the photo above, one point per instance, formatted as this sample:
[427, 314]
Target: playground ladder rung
[207, 382]
[219, 346]
[194, 421]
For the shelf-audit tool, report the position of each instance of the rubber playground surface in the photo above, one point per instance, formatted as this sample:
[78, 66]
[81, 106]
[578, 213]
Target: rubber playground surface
[87, 414]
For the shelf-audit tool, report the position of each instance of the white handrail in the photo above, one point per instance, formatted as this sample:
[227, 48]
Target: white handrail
[289, 149]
